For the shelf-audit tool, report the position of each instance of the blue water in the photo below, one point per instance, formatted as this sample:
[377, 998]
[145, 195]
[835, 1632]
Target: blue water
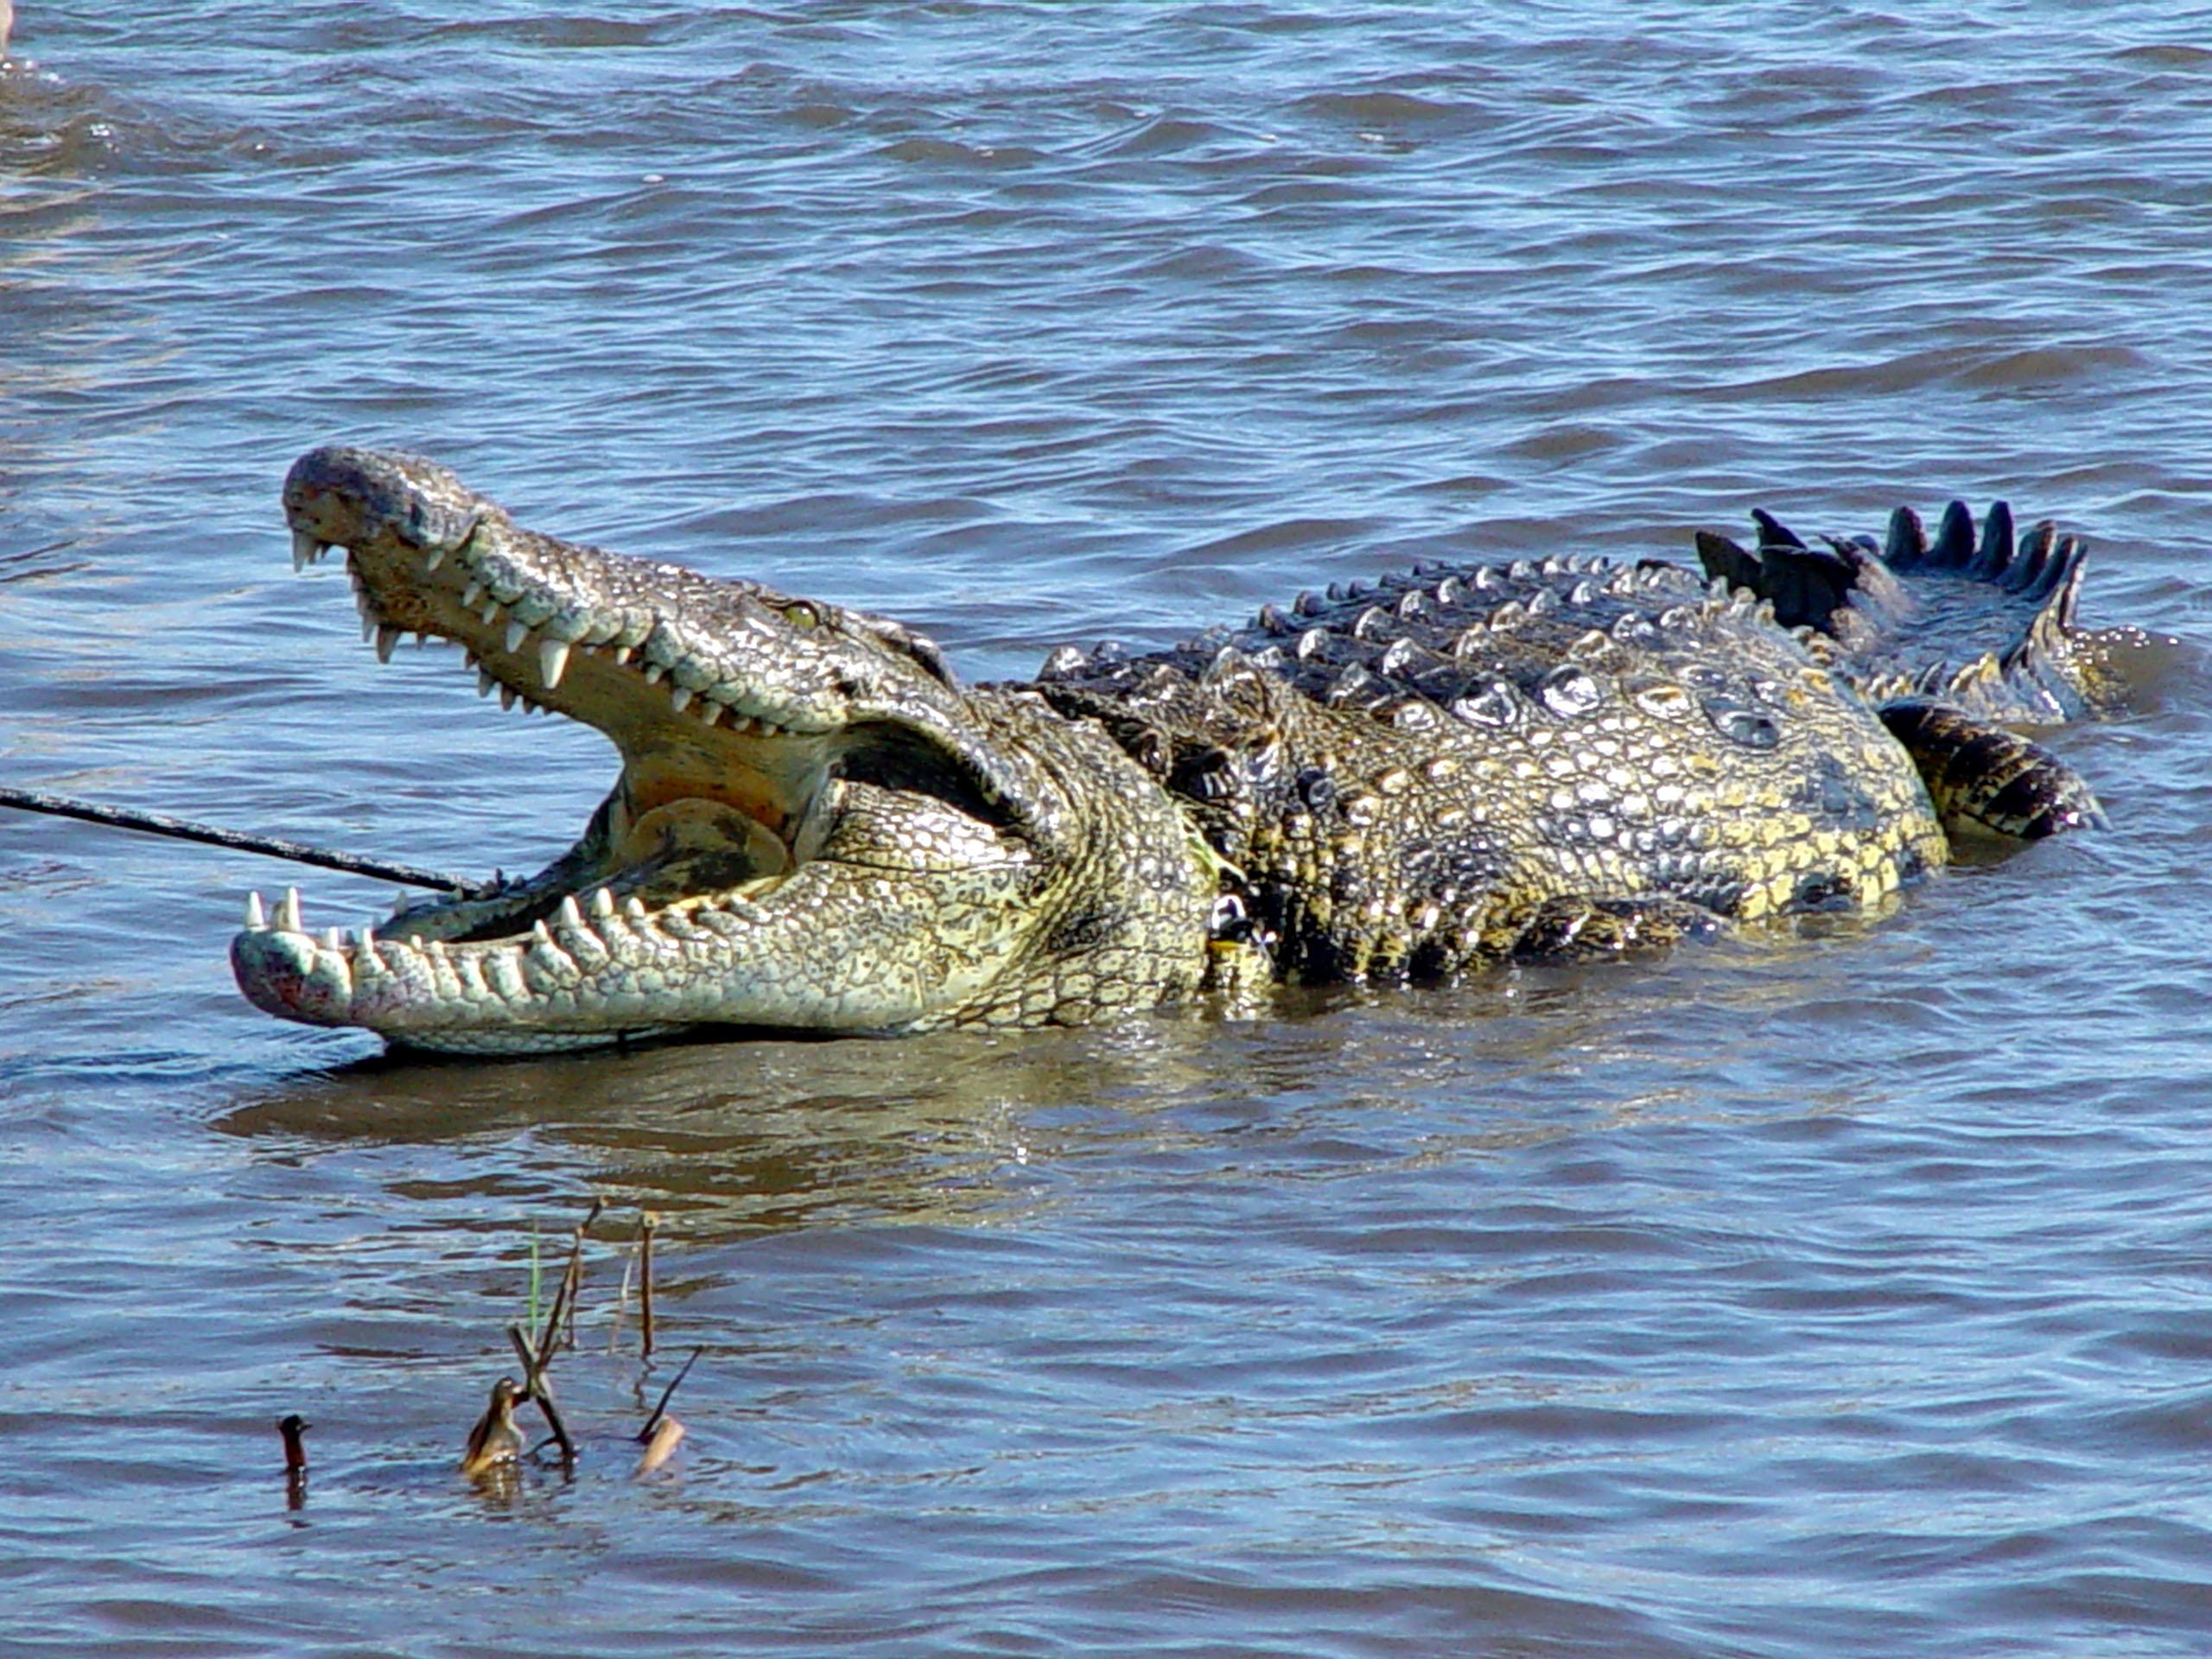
[1842, 1295]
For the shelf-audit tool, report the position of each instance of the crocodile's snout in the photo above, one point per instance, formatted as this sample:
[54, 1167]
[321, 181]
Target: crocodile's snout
[354, 497]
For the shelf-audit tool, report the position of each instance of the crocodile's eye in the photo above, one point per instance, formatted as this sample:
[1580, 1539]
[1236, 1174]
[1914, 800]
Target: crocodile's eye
[800, 614]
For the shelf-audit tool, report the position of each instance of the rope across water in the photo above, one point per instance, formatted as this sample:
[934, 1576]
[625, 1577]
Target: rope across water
[159, 823]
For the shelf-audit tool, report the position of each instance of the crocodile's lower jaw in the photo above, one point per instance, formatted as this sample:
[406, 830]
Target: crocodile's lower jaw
[776, 951]
[497, 997]
[699, 834]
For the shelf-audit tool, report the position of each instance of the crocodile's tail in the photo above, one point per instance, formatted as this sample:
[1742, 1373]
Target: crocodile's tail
[1986, 624]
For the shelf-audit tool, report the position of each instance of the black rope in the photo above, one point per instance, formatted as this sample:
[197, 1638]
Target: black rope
[159, 823]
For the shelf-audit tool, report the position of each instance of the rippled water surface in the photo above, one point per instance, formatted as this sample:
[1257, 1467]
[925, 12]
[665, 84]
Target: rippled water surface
[1844, 1294]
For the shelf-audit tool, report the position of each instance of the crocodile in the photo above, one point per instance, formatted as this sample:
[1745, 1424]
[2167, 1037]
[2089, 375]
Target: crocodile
[818, 827]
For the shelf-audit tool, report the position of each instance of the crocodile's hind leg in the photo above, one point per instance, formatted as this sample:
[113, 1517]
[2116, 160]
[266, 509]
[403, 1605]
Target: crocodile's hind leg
[1985, 780]
[1572, 928]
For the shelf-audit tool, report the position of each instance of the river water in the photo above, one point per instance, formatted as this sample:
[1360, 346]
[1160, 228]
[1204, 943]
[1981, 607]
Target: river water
[1842, 1295]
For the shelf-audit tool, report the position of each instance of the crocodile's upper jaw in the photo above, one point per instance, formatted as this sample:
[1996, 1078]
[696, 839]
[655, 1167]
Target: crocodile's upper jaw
[750, 727]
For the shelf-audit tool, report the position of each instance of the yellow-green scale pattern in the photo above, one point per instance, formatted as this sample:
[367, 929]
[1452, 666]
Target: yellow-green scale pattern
[1457, 767]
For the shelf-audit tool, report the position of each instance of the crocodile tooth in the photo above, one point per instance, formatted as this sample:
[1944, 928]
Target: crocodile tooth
[539, 931]
[256, 917]
[507, 697]
[387, 637]
[518, 634]
[634, 908]
[711, 711]
[305, 549]
[742, 723]
[484, 682]
[602, 903]
[571, 915]
[331, 941]
[653, 671]
[503, 975]
[471, 594]
[681, 697]
[532, 706]
[552, 660]
[489, 613]
[622, 653]
[288, 913]
[433, 559]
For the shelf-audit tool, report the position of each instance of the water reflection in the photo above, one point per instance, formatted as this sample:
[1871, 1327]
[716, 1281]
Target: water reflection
[731, 1138]
[737, 1136]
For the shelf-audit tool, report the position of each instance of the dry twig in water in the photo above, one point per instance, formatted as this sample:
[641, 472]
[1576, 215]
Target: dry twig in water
[666, 1393]
[572, 1280]
[294, 1428]
[535, 1388]
[647, 1221]
[495, 1440]
[662, 1432]
[622, 1303]
[661, 1448]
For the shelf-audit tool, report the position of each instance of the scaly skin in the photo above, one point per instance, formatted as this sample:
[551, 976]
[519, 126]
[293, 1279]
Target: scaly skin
[1446, 771]
[816, 828]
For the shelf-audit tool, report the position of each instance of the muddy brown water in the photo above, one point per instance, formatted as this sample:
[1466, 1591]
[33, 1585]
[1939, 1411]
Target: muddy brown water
[1847, 1293]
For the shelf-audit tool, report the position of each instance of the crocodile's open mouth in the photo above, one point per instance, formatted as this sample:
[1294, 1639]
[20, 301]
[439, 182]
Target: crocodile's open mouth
[746, 724]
